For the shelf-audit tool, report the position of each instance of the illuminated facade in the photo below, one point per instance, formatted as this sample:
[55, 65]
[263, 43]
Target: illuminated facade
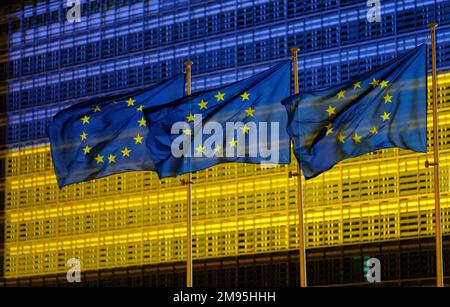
[135, 222]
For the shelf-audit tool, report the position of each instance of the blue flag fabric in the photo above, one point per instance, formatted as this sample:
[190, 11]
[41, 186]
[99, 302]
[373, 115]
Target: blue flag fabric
[106, 136]
[241, 122]
[384, 108]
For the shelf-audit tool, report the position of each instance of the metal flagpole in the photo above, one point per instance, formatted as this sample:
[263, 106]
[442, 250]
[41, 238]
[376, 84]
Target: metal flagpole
[188, 182]
[437, 192]
[301, 227]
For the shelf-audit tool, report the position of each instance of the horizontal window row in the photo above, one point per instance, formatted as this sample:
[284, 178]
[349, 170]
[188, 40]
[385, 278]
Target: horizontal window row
[214, 23]
[224, 58]
[400, 261]
[145, 214]
[257, 196]
[31, 183]
[318, 39]
[251, 15]
[142, 245]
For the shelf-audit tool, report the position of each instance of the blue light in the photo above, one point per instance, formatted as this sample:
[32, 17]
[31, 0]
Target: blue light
[225, 42]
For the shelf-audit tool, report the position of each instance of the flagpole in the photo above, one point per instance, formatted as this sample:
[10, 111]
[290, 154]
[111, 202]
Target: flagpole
[301, 227]
[437, 193]
[188, 182]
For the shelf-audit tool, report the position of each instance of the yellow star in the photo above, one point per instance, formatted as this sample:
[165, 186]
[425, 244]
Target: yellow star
[233, 143]
[86, 150]
[384, 84]
[142, 122]
[203, 104]
[83, 136]
[140, 108]
[356, 138]
[200, 149]
[249, 112]
[329, 126]
[220, 96]
[331, 111]
[357, 85]
[190, 118]
[187, 131]
[387, 98]
[85, 119]
[375, 83]
[131, 102]
[97, 109]
[245, 96]
[217, 149]
[245, 129]
[126, 152]
[111, 158]
[138, 139]
[99, 159]
[329, 131]
[374, 130]
[341, 94]
[385, 116]
[341, 138]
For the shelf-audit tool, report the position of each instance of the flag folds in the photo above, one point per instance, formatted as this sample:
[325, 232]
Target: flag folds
[106, 136]
[384, 108]
[241, 122]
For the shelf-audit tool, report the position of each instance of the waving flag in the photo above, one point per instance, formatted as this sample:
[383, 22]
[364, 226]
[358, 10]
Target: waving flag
[381, 109]
[106, 136]
[242, 122]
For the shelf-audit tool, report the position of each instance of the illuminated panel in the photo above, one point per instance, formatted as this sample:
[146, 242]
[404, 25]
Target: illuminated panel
[135, 218]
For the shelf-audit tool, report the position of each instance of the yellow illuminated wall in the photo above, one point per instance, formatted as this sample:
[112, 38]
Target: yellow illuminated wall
[134, 218]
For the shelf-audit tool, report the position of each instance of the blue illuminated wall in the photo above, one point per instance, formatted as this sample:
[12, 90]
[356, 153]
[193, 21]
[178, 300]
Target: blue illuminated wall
[125, 44]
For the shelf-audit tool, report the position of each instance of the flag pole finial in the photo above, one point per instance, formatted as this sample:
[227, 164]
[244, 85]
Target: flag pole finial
[432, 25]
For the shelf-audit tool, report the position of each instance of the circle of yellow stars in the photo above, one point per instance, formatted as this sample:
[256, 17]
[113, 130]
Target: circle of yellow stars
[341, 95]
[126, 152]
[220, 97]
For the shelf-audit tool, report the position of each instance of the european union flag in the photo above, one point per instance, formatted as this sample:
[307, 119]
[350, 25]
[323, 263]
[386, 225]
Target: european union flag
[106, 136]
[384, 108]
[242, 122]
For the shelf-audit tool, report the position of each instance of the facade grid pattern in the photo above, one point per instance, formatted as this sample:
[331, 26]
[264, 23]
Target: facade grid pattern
[135, 219]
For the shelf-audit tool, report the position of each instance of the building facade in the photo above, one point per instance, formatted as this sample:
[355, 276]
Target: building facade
[129, 229]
